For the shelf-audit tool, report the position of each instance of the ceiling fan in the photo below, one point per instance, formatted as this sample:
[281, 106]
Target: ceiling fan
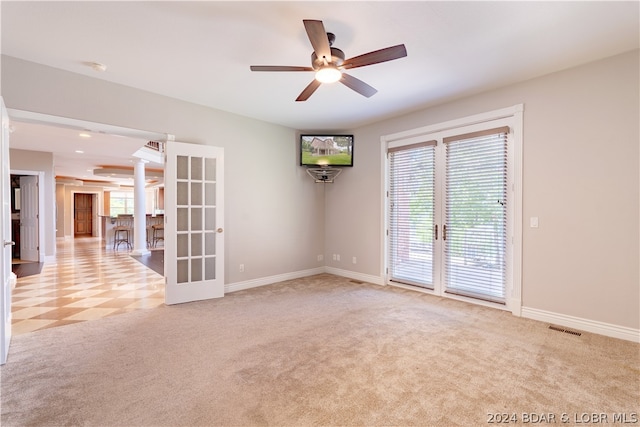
[329, 62]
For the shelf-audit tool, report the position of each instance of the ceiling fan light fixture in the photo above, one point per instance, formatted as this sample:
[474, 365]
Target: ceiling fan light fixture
[328, 62]
[328, 74]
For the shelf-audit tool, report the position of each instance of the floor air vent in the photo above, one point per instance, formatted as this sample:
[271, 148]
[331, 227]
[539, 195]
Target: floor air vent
[566, 331]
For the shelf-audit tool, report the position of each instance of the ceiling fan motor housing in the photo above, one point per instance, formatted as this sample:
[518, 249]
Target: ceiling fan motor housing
[337, 59]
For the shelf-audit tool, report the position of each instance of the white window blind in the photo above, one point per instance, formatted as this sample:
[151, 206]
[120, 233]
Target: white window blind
[475, 214]
[411, 213]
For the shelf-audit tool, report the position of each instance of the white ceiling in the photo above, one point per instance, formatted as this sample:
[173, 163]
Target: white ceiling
[201, 51]
[81, 148]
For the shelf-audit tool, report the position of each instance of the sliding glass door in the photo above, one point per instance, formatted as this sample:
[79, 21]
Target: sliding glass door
[475, 221]
[448, 212]
[412, 214]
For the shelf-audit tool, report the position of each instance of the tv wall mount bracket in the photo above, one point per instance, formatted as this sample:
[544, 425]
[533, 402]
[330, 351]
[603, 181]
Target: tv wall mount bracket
[324, 174]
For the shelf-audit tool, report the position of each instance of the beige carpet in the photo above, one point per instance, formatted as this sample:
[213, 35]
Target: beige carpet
[316, 351]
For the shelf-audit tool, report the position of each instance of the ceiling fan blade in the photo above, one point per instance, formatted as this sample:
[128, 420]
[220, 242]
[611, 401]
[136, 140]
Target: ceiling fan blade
[318, 38]
[308, 91]
[358, 85]
[377, 56]
[278, 68]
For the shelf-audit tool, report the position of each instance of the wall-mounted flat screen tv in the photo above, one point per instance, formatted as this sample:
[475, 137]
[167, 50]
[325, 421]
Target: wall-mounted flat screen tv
[326, 150]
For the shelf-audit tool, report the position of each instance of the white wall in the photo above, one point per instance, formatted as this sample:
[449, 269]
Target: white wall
[274, 212]
[581, 178]
[26, 160]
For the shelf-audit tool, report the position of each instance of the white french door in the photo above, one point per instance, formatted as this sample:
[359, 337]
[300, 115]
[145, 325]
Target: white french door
[194, 216]
[450, 212]
[5, 237]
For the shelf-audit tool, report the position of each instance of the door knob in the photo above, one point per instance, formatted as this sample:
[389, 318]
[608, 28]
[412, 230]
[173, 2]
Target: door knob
[219, 230]
[9, 243]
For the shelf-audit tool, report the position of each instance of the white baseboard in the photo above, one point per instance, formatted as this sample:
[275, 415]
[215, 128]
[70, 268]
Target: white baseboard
[238, 286]
[607, 329]
[248, 284]
[376, 280]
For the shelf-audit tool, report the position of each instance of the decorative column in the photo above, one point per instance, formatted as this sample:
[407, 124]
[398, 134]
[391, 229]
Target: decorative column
[139, 211]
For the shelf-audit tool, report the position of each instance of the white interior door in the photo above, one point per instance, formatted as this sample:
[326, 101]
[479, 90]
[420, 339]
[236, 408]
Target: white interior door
[194, 221]
[5, 237]
[29, 245]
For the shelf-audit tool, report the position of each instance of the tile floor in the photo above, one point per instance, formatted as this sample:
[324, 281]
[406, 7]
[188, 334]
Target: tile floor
[86, 282]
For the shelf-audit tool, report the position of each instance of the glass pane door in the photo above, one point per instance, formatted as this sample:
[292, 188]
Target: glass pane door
[193, 211]
[447, 211]
[475, 217]
[411, 214]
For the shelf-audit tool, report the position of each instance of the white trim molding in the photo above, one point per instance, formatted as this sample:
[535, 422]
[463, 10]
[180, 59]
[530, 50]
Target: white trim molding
[587, 325]
[376, 280]
[453, 124]
[262, 281]
[248, 284]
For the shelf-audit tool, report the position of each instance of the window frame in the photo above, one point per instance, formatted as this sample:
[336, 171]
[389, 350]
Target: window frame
[126, 210]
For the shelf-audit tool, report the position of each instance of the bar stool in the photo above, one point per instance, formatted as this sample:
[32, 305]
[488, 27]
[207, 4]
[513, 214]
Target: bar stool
[123, 230]
[151, 220]
[158, 233]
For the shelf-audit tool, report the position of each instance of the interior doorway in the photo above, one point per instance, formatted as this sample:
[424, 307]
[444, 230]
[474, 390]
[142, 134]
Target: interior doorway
[27, 225]
[139, 286]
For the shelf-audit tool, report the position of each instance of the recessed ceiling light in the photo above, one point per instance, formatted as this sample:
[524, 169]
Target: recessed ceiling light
[84, 135]
[79, 151]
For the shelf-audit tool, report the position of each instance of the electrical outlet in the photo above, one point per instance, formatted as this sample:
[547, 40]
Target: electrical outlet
[335, 258]
[241, 268]
[338, 259]
[354, 260]
[320, 257]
